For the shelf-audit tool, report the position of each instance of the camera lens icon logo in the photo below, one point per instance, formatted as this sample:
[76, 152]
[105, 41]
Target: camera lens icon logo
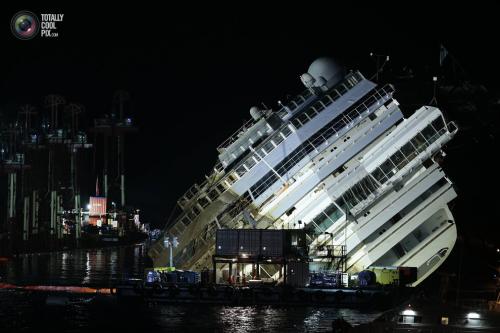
[25, 25]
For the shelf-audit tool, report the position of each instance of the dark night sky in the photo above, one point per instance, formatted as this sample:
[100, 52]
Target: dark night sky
[193, 78]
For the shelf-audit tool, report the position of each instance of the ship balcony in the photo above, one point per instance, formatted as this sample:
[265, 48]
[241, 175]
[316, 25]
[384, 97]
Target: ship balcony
[284, 111]
[408, 234]
[196, 189]
[401, 163]
[331, 131]
[300, 119]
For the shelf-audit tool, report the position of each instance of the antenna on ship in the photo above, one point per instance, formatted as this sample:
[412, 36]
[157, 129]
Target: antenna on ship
[434, 99]
[379, 64]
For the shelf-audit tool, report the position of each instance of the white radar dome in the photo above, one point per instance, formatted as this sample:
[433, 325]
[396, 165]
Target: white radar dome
[326, 70]
[256, 113]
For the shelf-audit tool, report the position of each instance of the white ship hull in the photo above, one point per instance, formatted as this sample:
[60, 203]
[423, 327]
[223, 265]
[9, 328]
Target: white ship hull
[350, 169]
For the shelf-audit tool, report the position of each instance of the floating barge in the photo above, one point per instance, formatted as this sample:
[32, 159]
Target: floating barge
[238, 276]
[264, 295]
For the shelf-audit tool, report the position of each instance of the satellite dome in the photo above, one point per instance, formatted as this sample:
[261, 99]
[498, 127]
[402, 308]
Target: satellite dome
[327, 70]
[256, 113]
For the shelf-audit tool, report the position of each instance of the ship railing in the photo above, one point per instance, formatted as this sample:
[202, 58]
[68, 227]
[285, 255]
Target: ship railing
[290, 106]
[295, 103]
[329, 250]
[336, 250]
[346, 120]
[193, 192]
[227, 220]
[190, 195]
[403, 167]
[381, 94]
[293, 125]
[249, 123]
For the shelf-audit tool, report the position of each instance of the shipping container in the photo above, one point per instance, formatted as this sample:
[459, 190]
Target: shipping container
[249, 242]
[226, 242]
[261, 242]
[297, 274]
[272, 243]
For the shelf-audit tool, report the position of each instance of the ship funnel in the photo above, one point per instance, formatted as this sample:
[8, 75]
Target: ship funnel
[256, 113]
[323, 72]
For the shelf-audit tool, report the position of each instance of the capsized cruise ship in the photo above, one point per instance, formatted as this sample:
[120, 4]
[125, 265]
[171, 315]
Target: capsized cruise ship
[340, 160]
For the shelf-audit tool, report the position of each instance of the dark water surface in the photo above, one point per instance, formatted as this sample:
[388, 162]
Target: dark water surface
[22, 311]
[92, 267]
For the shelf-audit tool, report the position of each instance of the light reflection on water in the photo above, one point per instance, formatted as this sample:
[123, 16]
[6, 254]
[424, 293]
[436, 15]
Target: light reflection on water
[76, 267]
[21, 311]
[256, 318]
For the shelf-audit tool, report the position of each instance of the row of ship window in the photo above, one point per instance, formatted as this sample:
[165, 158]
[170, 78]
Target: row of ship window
[370, 183]
[367, 185]
[402, 213]
[409, 151]
[277, 138]
[232, 210]
[281, 135]
[298, 121]
[350, 81]
[299, 100]
[304, 117]
[321, 136]
[223, 217]
[392, 165]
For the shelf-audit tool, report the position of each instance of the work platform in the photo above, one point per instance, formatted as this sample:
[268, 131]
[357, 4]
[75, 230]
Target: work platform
[284, 252]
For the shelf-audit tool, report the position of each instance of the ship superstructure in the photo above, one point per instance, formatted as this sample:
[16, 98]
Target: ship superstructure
[339, 160]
